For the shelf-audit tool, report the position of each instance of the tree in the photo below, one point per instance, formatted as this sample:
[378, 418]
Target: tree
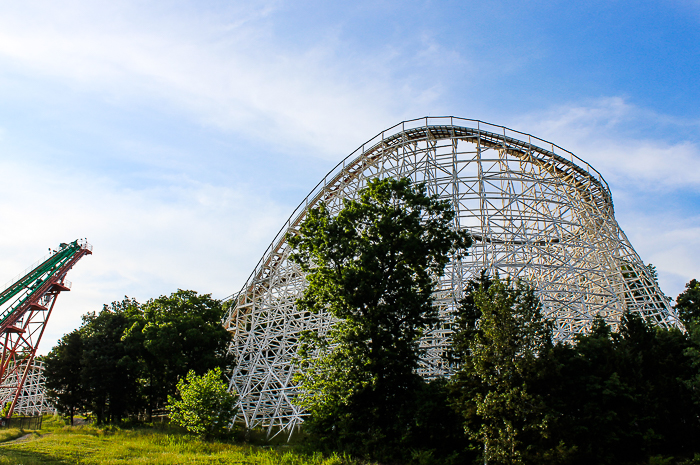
[205, 407]
[595, 399]
[176, 334]
[688, 302]
[374, 267]
[62, 371]
[622, 397]
[501, 344]
[132, 355]
[111, 369]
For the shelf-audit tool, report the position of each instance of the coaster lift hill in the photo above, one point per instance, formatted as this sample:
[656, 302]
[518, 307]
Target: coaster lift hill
[25, 307]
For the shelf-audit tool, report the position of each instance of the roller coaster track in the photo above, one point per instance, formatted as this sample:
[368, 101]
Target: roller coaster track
[26, 303]
[535, 211]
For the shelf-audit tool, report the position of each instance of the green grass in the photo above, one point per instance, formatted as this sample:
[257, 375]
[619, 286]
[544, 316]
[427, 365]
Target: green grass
[10, 434]
[60, 444]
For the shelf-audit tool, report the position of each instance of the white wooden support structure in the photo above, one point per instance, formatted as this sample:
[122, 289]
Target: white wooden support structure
[536, 212]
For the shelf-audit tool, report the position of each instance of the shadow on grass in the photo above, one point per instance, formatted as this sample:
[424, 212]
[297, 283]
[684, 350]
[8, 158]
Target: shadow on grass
[25, 457]
[264, 437]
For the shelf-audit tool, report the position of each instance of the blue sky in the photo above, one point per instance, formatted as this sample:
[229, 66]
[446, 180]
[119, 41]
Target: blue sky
[177, 137]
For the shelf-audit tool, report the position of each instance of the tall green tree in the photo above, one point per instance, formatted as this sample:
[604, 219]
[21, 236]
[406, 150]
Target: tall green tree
[688, 302]
[62, 370]
[374, 267]
[622, 397]
[177, 334]
[502, 343]
[111, 370]
[129, 357]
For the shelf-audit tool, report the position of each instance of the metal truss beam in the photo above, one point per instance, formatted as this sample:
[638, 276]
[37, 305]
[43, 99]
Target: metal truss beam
[26, 304]
[536, 212]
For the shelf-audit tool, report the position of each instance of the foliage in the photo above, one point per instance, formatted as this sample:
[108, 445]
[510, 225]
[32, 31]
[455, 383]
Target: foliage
[434, 433]
[607, 397]
[126, 359]
[692, 351]
[174, 335]
[110, 373]
[62, 371]
[622, 397]
[205, 406]
[373, 267]
[501, 344]
[688, 302]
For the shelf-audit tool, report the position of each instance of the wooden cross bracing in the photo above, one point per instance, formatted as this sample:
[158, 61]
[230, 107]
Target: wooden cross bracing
[535, 211]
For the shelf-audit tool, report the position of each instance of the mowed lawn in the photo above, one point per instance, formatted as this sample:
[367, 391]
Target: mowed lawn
[57, 444]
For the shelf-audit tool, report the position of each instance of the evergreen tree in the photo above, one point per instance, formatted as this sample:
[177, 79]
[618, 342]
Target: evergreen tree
[501, 344]
[622, 397]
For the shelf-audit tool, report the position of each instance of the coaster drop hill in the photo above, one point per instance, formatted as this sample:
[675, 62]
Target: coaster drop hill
[26, 304]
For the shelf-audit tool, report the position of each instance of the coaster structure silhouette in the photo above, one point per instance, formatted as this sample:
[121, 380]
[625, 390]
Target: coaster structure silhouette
[26, 303]
[536, 212]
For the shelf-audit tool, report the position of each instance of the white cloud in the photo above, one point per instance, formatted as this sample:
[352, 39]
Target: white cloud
[603, 134]
[147, 242]
[227, 69]
[671, 243]
[231, 71]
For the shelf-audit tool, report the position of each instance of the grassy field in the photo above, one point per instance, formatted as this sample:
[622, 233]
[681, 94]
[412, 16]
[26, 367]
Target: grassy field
[59, 444]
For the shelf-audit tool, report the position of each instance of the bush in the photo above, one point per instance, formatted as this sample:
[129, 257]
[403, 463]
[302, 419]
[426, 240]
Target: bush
[205, 407]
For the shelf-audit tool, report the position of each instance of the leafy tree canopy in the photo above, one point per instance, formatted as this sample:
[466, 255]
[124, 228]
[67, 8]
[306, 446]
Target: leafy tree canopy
[374, 267]
[129, 357]
[110, 373]
[688, 302]
[500, 359]
[62, 371]
[176, 334]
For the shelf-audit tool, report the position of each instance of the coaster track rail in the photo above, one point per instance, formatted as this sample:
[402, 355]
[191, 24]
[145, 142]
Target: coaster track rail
[25, 307]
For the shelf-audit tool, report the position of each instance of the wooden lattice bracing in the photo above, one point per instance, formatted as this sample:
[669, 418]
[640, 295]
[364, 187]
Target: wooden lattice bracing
[32, 400]
[536, 212]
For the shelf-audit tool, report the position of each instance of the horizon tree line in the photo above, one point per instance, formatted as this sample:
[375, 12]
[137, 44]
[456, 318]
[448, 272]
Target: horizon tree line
[125, 361]
[629, 396]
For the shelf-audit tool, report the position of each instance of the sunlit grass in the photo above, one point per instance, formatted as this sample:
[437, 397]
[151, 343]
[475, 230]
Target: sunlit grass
[92, 445]
[10, 434]
[52, 423]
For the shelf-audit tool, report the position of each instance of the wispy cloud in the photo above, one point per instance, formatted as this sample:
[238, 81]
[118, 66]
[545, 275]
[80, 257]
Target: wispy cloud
[627, 144]
[230, 71]
[671, 242]
[148, 241]
[163, 214]
[226, 69]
